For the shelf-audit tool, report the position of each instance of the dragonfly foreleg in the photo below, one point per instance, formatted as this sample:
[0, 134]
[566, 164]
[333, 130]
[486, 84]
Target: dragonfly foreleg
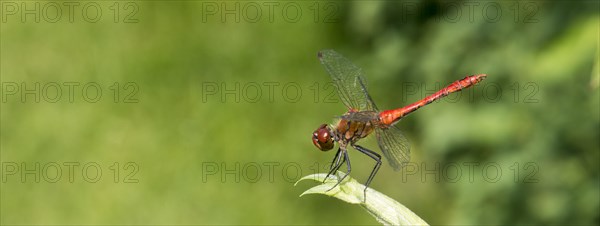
[347, 160]
[335, 164]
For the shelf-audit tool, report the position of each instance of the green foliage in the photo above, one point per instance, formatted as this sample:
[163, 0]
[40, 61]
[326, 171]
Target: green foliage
[536, 117]
[385, 209]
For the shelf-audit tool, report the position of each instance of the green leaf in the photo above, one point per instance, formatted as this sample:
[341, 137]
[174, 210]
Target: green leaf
[385, 209]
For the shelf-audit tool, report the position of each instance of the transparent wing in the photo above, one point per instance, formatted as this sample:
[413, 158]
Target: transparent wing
[348, 79]
[361, 116]
[394, 145]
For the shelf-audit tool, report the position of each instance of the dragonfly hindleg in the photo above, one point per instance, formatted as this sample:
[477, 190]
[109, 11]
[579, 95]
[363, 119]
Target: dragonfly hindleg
[375, 157]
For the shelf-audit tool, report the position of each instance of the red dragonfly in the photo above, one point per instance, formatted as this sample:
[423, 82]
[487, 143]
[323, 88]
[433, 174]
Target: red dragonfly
[363, 118]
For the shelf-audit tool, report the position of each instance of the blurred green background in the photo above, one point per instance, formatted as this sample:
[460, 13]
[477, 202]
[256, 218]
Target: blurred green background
[182, 136]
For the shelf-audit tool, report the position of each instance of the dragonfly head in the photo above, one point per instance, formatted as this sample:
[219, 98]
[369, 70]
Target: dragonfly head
[322, 138]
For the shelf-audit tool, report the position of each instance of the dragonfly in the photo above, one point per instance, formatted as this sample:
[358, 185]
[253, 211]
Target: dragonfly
[363, 118]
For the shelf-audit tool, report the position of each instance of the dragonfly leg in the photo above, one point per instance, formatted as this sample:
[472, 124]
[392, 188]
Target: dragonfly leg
[347, 160]
[335, 164]
[337, 167]
[375, 157]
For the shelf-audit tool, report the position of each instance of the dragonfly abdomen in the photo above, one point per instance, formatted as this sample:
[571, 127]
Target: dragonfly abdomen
[389, 117]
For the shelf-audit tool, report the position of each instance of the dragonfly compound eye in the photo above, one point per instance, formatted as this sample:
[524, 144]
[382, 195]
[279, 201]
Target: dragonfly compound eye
[322, 138]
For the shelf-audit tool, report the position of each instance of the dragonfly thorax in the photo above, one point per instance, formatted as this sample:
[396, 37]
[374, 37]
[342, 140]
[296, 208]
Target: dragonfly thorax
[350, 131]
